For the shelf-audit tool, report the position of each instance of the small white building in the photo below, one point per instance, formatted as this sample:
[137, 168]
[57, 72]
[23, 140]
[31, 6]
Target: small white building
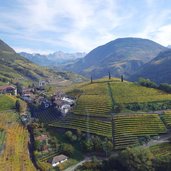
[42, 83]
[65, 108]
[70, 101]
[27, 98]
[59, 159]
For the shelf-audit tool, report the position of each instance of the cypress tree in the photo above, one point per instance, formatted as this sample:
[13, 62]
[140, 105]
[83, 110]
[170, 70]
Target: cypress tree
[109, 75]
[122, 78]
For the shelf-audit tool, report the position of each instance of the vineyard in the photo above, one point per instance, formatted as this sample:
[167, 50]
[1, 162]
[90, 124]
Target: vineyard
[95, 100]
[2, 139]
[129, 128]
[167, 118]
[161, 150]
[102, 128]
[15, 155]
[128, 92]
[47, 116]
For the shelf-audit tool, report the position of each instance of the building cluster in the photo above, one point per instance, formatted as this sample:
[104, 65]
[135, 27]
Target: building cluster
[63, 102]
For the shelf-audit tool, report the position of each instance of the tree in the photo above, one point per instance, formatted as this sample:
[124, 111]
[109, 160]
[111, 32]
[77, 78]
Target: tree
[91, 79]
[20, 106]
[107, 147]
[68, 134]
[147, 83]
[118, 108]
[17, 105]
[121, 78]
[97, 143]
[162, 163]
[19, 88]
[67, 149]
[109, 75]
[88, 145]
[138, 159]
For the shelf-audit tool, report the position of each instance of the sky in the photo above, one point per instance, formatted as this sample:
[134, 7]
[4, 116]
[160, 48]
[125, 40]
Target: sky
[46, 26]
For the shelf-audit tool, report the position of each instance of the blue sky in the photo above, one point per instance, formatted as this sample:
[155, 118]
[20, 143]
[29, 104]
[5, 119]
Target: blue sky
[46, 26]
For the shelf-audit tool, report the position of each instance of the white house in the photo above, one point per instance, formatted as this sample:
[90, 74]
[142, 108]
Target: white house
[42, 83]
[65, 108]
[59, 159]
[70, 101]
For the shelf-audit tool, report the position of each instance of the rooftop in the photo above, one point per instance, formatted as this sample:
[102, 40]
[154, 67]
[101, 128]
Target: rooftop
[6, 87]
[59, 158]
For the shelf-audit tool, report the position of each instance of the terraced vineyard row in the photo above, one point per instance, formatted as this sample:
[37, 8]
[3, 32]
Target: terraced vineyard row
[94, 105]
[47, 116]
[167, 118]
[127, 128]
[93, 126]
[2, 139]
[130, 93]
[15, 154]
[95, 100]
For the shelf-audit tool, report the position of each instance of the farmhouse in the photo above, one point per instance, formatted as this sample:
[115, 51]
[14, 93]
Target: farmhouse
[59, 159]
[8, 90]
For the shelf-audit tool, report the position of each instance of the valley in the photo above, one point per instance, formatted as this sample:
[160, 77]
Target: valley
[59, 119]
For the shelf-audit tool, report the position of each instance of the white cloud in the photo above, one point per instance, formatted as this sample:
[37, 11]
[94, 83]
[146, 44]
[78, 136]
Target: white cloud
[79, 25]
[163, 35]
[29, 50]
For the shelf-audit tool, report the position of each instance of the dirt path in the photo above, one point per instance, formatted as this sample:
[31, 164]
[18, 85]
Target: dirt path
[163, 139]
[72, 168]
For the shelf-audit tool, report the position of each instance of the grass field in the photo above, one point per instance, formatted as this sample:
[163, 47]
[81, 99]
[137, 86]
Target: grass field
[7, 102]
[128, 128]
[15, 155]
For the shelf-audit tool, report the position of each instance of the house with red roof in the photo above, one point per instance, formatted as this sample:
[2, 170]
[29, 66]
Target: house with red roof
[8, 89]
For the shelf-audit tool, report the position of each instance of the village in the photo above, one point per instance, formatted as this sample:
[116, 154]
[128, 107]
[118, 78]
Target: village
[44, 144]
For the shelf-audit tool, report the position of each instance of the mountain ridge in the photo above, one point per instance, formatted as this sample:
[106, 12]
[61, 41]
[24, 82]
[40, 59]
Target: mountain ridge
[122, 56]
[15, 68]
[53, 59]
[158, 69]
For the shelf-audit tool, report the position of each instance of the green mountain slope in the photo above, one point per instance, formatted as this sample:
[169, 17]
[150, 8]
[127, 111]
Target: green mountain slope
[121, 56]
[16, 68]
[158, 70]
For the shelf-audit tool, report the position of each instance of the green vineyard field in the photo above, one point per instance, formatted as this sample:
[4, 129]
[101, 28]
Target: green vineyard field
[128, 128]
[98, 127]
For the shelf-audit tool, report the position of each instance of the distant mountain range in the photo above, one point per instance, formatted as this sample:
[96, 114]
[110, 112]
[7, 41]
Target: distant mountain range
[54, 59]
[158, 69]
[16, 68]
[131, 57]
[123, 56]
